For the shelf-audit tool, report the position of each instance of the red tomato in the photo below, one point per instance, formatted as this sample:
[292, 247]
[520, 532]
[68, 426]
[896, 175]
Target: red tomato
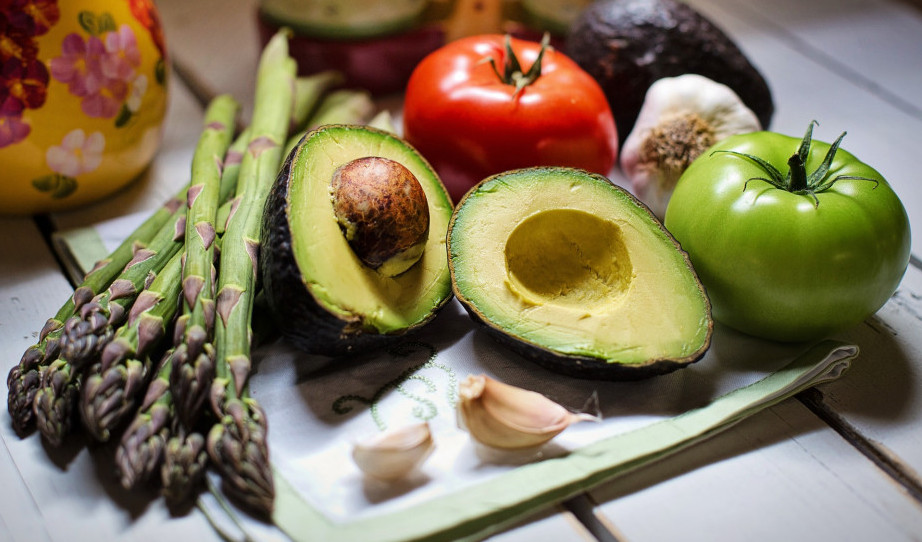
[465, 114]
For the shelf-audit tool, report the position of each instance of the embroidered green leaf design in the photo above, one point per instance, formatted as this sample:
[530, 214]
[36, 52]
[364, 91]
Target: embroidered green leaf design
[425, 409]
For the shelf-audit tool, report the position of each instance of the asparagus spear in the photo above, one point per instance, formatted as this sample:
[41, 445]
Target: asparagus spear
[344, 106]
[183, 468]
[24, 379]
[193, 356]
[308, 93]
[237, 442]
[113, 385]
[140, 450]
[88, 331]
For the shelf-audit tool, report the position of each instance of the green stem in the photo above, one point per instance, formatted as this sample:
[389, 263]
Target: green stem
[345, 106]
[308, 92]
[512, 73]
[113, 386]
[140, 449]
[237, 442]
[798, 174]
[193, 356]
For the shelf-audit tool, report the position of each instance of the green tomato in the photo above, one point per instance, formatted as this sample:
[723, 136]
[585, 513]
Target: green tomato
[793, 239]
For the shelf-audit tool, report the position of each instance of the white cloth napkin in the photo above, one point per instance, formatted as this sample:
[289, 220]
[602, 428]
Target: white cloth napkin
[318, 408]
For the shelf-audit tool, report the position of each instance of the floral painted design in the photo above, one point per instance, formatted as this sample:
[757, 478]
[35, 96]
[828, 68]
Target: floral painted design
[102, 69]
[77, 154]
[145, 13]
[23, 78]
[100, 63]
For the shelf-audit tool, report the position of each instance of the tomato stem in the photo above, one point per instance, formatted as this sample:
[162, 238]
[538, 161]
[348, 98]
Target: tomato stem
[512, 70]
[797, 181]
[797, 175]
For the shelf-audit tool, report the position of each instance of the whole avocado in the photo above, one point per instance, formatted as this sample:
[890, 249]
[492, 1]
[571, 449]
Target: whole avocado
[629, 44]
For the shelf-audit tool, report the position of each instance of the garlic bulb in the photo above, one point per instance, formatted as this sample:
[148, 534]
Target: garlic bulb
[394, 454]
[503, 416]
[680, 118]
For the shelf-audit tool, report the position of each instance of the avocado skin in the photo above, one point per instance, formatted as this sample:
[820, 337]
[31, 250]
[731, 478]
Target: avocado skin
[626, 45]
[299, 317]
[582, 367]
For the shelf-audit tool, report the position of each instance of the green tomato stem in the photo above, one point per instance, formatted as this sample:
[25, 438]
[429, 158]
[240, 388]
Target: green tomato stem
[798, 174]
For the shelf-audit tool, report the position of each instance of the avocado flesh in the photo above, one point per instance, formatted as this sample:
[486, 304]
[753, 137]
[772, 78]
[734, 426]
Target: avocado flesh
[344, 19]
[322, 294]
[569, 265]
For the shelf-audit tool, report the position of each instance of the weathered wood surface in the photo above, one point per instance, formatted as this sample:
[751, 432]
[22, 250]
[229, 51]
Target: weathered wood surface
[840, 462]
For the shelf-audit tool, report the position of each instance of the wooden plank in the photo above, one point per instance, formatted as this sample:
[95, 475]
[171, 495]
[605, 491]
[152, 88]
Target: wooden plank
[31, 290]
[880, 395]
[871, 43]
[780, 475]
[219, 45]
[554, 524]
[51, 494]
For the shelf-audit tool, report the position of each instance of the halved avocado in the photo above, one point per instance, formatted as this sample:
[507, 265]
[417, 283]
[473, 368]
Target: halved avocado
[375, 45]
[574, 273]
[344, 19]
[326, 300]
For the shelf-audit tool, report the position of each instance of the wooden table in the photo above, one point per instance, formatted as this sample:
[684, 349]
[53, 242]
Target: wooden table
[840, 462]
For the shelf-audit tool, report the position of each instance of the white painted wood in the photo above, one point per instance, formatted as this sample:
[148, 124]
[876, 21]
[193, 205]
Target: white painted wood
[31, 289]
[806, 50]
[69, 494]
[555, 524]
[219, 43]
[869, 42]
[881, 395]
[780, 475]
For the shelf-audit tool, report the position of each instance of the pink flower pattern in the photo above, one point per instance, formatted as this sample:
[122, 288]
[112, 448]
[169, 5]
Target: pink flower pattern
[100, 71]
[77, 153]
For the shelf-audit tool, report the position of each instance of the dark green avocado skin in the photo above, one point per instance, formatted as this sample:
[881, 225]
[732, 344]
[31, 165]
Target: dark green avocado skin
[626, 45]
[300, 319]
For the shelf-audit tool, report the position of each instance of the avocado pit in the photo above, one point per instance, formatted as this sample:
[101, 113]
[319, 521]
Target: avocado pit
[382, 211]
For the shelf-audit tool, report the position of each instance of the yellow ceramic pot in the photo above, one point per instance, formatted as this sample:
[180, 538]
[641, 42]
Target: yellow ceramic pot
[82, 99]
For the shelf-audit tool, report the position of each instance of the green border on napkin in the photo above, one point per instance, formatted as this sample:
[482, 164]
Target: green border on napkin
[490, 507]
[79, 249]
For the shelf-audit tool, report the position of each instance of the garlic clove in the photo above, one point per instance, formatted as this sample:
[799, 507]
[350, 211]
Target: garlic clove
[503, 416]
[395, 453]
[680, 118]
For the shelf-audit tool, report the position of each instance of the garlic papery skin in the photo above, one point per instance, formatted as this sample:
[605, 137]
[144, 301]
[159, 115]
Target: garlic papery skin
[395, 453]
[681, 117]
[507, 417]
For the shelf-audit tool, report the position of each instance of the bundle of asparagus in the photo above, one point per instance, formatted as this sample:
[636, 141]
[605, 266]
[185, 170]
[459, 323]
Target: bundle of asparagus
[191, 267]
